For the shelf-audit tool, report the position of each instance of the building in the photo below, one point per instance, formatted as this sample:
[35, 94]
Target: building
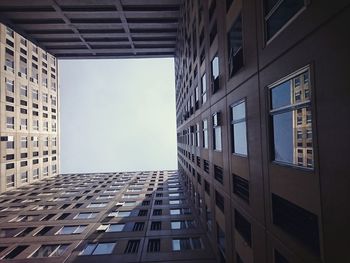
[111, 217]
[262, 108]
[29, 118]
[261, 94]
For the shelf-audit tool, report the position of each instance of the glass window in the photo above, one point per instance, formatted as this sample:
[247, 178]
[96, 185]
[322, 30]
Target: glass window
[115, 228]
[205, 133]
[50, 251]
[278, 13]
[235, 47]
[292, 120]
[175, 211]
[239, 128]
[98, 249]
[215, 73]
[217, 132]
[204, 88]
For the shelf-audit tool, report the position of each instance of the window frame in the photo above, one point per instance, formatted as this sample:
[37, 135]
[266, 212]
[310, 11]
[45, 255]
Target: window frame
[232, 123]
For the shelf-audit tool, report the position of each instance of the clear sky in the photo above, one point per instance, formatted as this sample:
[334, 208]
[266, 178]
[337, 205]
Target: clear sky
[117, 115]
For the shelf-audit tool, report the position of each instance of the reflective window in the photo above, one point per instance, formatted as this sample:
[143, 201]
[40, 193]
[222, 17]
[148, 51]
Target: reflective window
[217, 132]
[204, 88]
[98, 249]
[50, 251]
[69, 230]
[239, 128]
[278, 13]
[215, 73]
[115, 228]
[205, 133]
[235, 47]
[292, 120]
[186, 244]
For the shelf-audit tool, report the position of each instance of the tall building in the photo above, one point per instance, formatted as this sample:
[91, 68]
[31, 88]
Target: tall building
[29, 112]
[111, 217]
[260, 138]
[262, 103]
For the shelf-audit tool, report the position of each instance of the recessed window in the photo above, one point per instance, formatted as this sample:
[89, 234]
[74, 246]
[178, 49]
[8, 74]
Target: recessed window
[119, 214]
[50, 251]
[87, 215]
[182, 224]
[204, 88]
[97, 205]
[70, 230]
[235, 47]
[156, 225]
[278, 13]
[292, 120]
[132, 247]
[239, 128]
[205, 133]
[15, 252]
[215, 73]
[153, 245]
[217, 144]
[98, 249]
[186, 244]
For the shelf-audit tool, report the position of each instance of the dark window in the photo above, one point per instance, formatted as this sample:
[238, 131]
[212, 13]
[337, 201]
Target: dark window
[199, 178]
[47, 217]
[15, 252]
[218, 174]
[297, 222]
[43, 231]
[132, 246]
[156, 225]
[207, 187]
[157, 212]
[143, 213]
[212, 9]
[153, 245]
[219, 201]
[158, 202]
[25, 232]
[235, 47]
[278, 13]
[63, 216]
[241, 187]
[213, 33]
[144, 203]
[138, 226]
[279, 258]
[206, 166]
[243, 227]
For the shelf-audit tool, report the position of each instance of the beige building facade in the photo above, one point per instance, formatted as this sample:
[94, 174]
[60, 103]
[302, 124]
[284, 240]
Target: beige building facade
[29, 112]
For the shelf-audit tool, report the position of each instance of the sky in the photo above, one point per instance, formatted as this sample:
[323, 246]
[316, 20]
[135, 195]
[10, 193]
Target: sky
[117, 115]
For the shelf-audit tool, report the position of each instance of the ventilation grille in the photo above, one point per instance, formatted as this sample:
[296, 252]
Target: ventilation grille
[218, 174]
[297, 222]
[241, 187]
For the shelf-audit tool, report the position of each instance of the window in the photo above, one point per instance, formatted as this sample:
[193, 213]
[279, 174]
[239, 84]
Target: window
[297, 222]
[235, 47]
[36, 173]
[24, 91]
[50, 251]
[182, 224]
[292, 120]
[278, 13]
[156, 225]
[205, 133]
[10, 122]
[142, 213]
[86, 215]
[157, 212]
[174, 202]
[204, 88]
[206, 187]
[70, 230]
[243, 227]
[132, 246]
[218, 174]
[98, 249]
[215, 73]
[220, 238]
[115, 227]
[120, 214]
[220, 201]
[97, 205]
[24, 177]
[239, 128]
[241, 187]
[10, 180]
[25, 232]
[15, 252]
[217, 132]
[138, 226]
[153, 245]
[43, 231]
[186, 244]
[10, 85]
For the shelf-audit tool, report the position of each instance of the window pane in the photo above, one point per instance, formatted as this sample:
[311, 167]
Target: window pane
[238, 111]
[281, 95]
[215, 67]
[60, 251]
[104, 248]
[88, 249]
[283, 137]
[240, 138]
[176, 244]
[115, 228]
[176, 225]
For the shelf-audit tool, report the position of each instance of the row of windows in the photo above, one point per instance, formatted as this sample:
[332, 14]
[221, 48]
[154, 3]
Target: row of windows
[10, 124]
[10, 141]
[273, 23]
[290, 117]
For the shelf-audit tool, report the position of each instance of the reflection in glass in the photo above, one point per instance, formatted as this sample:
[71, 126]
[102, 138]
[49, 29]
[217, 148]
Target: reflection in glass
[239, 129]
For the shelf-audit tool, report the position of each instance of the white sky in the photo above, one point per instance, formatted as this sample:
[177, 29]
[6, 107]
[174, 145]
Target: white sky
[117, 115]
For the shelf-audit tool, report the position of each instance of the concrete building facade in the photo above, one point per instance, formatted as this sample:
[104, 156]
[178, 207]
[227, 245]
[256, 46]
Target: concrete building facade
[260, 126]
[29, 112]
[109, 217]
